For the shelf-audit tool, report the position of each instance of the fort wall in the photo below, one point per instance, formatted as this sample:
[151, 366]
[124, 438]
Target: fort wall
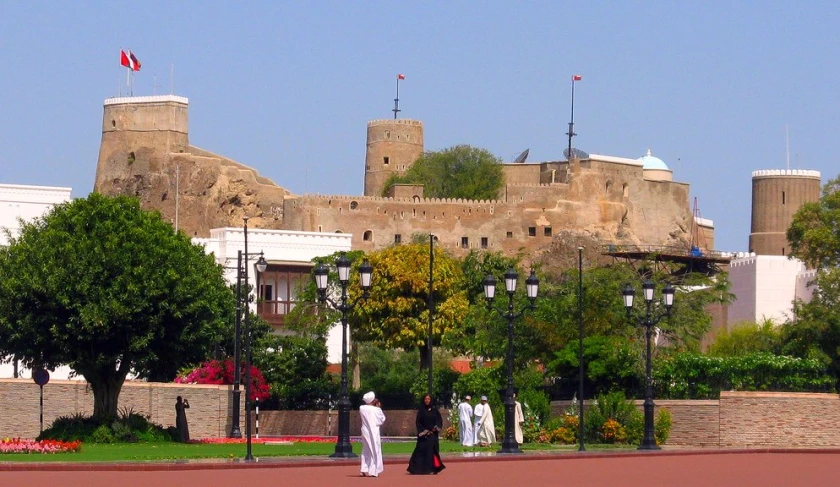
[146, 153]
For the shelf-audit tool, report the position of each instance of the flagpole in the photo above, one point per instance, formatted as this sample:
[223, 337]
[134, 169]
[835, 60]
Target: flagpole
[397, 99]
[571, 122]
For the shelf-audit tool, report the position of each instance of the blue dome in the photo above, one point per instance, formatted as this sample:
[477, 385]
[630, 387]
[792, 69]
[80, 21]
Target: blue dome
[652, 162]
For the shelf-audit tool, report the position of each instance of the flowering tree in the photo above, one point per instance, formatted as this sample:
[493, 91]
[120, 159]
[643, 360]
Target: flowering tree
[222, 372]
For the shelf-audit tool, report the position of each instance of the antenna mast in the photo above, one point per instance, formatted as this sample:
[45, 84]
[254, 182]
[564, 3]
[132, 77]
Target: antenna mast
[787, 147]
[571, 133]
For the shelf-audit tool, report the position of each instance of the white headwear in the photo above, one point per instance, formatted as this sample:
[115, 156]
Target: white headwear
[483, 398]
[369, 397]
[467, 398]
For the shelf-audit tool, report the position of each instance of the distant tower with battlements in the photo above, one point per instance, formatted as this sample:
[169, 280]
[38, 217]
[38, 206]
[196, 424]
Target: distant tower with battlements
[140, 127]
[777, 195]
[392, 147]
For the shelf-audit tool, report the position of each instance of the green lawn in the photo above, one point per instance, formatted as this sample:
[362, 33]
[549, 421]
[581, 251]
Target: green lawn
[179, 451]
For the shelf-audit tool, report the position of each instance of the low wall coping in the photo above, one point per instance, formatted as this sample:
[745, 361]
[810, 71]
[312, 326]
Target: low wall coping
[777, 395]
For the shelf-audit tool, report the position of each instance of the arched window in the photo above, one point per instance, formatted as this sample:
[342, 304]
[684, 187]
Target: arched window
[368, 236]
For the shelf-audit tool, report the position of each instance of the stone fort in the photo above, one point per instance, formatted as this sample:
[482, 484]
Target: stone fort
[145, 152]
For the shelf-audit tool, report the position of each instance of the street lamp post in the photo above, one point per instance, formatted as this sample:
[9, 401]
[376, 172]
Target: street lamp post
[649, 320]
[580, 347]
[237, 359]
[509, 444]
[261, 266]
[343, 449]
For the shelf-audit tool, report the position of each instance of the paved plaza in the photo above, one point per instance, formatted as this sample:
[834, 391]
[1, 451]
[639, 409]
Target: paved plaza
[764, 468]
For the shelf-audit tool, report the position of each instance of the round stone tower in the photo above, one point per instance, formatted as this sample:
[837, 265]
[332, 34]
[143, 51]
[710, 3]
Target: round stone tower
[392, 147]
[776, 196]
[139, 134]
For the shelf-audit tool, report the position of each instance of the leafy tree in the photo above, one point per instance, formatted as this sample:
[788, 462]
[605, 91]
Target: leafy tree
[479, 331]
[814, 233]
[396, 314]
[107, 288]
[296, 367]
[611, 363]
[746, 338]
[814, 236]
[461, 171]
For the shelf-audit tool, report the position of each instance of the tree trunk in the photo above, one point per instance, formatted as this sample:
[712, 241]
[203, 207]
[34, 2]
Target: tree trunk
[106, 384]
[424, 357]
[106, 395]
[357, 373]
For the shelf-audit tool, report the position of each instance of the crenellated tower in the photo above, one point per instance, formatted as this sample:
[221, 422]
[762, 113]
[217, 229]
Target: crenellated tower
[392, 147]
[776, 196]
[141, 127]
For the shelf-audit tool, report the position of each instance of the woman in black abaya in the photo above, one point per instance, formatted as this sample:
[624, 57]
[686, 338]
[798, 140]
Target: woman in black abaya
[426, 456]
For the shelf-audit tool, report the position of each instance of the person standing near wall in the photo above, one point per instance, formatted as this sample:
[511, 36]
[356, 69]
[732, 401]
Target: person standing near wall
[372, 418]
[181, 405]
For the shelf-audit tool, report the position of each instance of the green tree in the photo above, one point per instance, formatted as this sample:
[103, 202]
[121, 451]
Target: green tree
[479, 332]
[813, 234]
[461, 171]
[746, 338]
[396, 314]
[814, 238]
[106, 288]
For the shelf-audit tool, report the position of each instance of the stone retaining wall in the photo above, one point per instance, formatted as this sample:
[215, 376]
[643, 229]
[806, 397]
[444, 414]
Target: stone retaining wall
[738, 419]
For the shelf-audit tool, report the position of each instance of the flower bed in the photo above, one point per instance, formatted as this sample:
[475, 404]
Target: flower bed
[293, 439]
[18, 445]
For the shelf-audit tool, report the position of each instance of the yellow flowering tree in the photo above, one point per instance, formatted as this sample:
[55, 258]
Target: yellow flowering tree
[396, 315]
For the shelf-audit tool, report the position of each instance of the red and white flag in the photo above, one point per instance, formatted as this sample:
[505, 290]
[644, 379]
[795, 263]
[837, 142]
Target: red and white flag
[129, 60]
[576, 77]
[135, 64]
[400, 76]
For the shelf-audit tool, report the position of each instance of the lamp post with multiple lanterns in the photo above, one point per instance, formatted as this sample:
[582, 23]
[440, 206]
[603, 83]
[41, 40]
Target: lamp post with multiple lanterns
[648, 319]
[343, 449]
[509, 444]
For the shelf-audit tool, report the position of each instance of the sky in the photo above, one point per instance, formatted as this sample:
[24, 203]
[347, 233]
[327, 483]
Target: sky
[715, 89]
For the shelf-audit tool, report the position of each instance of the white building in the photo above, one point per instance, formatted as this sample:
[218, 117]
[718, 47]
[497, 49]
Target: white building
[27, 202]
[765, 287]
[289, 255]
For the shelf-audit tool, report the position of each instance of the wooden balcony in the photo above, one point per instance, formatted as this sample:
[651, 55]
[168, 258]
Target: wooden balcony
[274, 312]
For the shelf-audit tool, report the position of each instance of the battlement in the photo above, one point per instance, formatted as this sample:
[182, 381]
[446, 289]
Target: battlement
[399, 121]
[805, 173]
[128, 100]
[386, 199]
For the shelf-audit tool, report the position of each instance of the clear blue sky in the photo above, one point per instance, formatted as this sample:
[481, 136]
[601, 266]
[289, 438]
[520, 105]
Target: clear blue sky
[288, 87]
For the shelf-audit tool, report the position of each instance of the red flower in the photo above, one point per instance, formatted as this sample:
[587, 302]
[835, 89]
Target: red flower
[220, 372]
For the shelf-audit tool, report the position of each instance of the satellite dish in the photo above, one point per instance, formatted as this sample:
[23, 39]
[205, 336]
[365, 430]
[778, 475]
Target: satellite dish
[521, 158]
[576, 154]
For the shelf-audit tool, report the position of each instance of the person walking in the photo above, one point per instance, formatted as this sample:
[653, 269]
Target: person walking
[465, 422]
[426, 456]
[372, 418]
[518, 419]
[486, 429]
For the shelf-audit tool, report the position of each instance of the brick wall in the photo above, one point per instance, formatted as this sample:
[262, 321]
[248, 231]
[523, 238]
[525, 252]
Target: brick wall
[208, 415]
[779, 419]
[738, 419]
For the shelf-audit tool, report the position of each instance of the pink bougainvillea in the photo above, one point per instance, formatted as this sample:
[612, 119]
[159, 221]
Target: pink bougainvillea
[221, 372]
[18, 445]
